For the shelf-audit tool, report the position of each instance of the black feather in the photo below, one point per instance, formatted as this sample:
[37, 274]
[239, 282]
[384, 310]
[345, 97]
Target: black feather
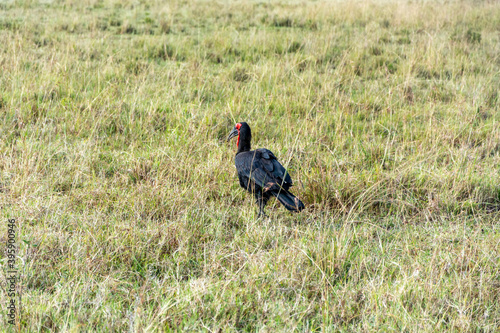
[261, 174]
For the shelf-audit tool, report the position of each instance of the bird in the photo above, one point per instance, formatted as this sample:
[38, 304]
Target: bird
[260, 173]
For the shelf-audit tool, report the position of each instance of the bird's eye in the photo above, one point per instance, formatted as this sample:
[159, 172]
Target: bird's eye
[238, 125]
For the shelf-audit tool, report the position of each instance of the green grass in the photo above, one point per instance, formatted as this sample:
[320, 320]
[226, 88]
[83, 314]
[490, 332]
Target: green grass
[113, 116]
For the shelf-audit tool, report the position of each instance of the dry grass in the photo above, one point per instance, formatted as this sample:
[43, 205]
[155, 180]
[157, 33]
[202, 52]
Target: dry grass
[112, 119]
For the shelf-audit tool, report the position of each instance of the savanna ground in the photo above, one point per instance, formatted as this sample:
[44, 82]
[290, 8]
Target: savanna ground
[113, 116]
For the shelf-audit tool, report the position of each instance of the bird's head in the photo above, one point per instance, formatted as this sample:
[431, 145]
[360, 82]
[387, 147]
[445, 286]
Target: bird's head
[241, 130]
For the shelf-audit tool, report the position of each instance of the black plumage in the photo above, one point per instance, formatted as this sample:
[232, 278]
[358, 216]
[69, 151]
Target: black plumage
[260, 173]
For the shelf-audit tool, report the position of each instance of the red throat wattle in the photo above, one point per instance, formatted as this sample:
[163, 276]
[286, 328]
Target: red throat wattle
[238, 126]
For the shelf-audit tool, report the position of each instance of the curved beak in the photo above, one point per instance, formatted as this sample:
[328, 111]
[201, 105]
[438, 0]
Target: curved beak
[233, 133]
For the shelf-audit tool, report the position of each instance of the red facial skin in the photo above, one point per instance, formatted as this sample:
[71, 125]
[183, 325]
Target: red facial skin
[238, 125]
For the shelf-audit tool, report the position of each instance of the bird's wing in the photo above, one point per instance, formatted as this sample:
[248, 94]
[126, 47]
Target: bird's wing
[249, 166]
[263, 168]
[274, 168]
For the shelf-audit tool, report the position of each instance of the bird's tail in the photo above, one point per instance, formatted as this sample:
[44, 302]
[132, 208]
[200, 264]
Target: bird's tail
[288, 200]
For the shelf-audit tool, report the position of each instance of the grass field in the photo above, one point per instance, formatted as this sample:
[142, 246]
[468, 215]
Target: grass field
[113, 116]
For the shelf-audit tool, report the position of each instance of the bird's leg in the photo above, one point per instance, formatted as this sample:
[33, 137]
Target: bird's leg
[261, 202]
[261, 213]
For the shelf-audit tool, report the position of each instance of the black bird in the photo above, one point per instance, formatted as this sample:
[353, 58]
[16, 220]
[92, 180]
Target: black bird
[260, 173]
